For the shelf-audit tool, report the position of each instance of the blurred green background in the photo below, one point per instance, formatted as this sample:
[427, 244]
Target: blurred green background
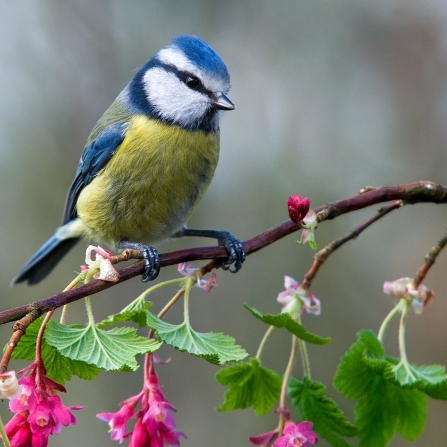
[330, 96]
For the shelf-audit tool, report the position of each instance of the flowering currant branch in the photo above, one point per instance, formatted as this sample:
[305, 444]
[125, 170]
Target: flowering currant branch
[40, 412]
[409, 193]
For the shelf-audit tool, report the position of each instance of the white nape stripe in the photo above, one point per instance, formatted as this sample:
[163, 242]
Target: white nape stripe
[175, 57]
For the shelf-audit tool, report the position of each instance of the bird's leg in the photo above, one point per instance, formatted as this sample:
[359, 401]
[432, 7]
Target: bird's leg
[151, 259]
[224, 239]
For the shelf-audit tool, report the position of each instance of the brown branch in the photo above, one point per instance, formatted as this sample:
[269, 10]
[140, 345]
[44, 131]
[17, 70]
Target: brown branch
[19, 330]
[323, 254]
[429, 260]
[409, 193]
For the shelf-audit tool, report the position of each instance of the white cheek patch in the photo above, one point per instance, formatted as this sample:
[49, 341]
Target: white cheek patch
[172, 99]
[173, 56]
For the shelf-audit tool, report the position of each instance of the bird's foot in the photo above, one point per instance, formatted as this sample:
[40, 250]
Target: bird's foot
[224, 239]
[235, 250]
[151, 262]
[151, 259]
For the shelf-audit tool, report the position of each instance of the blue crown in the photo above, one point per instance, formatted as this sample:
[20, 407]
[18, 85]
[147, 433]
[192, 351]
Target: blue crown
[201, 54]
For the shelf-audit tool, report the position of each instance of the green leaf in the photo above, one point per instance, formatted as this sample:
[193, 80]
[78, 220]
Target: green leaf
[59, 368]
[249, 385]
[376, 414]
[135, 311]
[353, 377]
[430, 379]
[384, 405]
[286, 321]
[216, 348]
[387, 408]
[411, 412]
[111, 350]
[310, 400]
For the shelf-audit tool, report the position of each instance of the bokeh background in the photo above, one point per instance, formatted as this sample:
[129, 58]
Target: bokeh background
[330, 96]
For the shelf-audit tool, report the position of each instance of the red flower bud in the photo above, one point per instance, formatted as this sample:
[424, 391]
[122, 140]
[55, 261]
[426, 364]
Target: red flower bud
[298, 208]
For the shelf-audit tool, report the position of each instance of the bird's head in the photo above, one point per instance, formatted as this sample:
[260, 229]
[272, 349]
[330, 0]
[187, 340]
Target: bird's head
[184, 84]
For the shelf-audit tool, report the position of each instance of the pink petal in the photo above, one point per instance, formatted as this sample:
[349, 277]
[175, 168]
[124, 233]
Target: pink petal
[290, 283]
[263, 439]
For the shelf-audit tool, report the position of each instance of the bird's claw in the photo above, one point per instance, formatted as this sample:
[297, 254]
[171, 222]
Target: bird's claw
[235, 250]
[151, 262]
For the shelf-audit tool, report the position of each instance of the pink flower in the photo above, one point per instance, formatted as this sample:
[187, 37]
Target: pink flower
[187, 270]
[298, 300]
[298, 208]
[155, 423]
[118, 421]
[102, 262]
[403, 288]
[265, 439]
[190, 272]
[297, 435]
[208, 284]
[9, 386]
[39, 410]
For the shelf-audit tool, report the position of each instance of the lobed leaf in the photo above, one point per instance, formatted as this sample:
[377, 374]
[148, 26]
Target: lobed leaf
[309, 398]
[59, 368]
[286, 321]
[111, 350]
[216, 348]
[249, 385]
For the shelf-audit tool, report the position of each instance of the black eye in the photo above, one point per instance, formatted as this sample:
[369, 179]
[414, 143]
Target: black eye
[192, 82]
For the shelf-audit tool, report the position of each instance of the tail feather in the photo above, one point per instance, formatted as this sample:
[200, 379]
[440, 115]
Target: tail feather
[44, 260]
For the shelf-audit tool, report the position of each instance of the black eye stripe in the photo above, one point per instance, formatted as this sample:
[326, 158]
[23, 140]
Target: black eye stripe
[184, 76]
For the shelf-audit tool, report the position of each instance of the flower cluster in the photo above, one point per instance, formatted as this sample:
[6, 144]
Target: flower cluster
[155, 423]
[298, 300]
[293, 435]
[404, 288]
[39, 411]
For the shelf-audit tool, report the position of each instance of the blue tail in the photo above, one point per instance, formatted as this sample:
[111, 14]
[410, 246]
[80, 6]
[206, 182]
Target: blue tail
[44, 260]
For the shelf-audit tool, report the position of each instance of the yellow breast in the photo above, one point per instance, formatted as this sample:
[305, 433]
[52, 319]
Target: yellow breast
[151, 184]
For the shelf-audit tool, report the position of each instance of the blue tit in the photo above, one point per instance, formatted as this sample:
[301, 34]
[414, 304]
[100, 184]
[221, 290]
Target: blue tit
[148, 161]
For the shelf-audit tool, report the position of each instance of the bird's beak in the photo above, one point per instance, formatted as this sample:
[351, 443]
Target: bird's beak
[222, 102]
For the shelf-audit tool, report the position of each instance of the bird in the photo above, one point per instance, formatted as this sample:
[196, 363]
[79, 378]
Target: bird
[147, 162]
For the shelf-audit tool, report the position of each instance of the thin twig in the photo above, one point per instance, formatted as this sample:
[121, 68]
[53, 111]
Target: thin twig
[323, 254]
[19, 330]
[429, 260]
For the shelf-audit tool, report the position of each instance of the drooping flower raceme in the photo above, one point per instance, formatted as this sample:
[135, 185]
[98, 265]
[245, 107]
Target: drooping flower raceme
[298, 300]
[39, 411]
[404, 288]
[155, 423]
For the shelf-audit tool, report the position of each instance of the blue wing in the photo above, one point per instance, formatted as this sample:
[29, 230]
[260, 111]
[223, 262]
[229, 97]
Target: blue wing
[95, 156]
